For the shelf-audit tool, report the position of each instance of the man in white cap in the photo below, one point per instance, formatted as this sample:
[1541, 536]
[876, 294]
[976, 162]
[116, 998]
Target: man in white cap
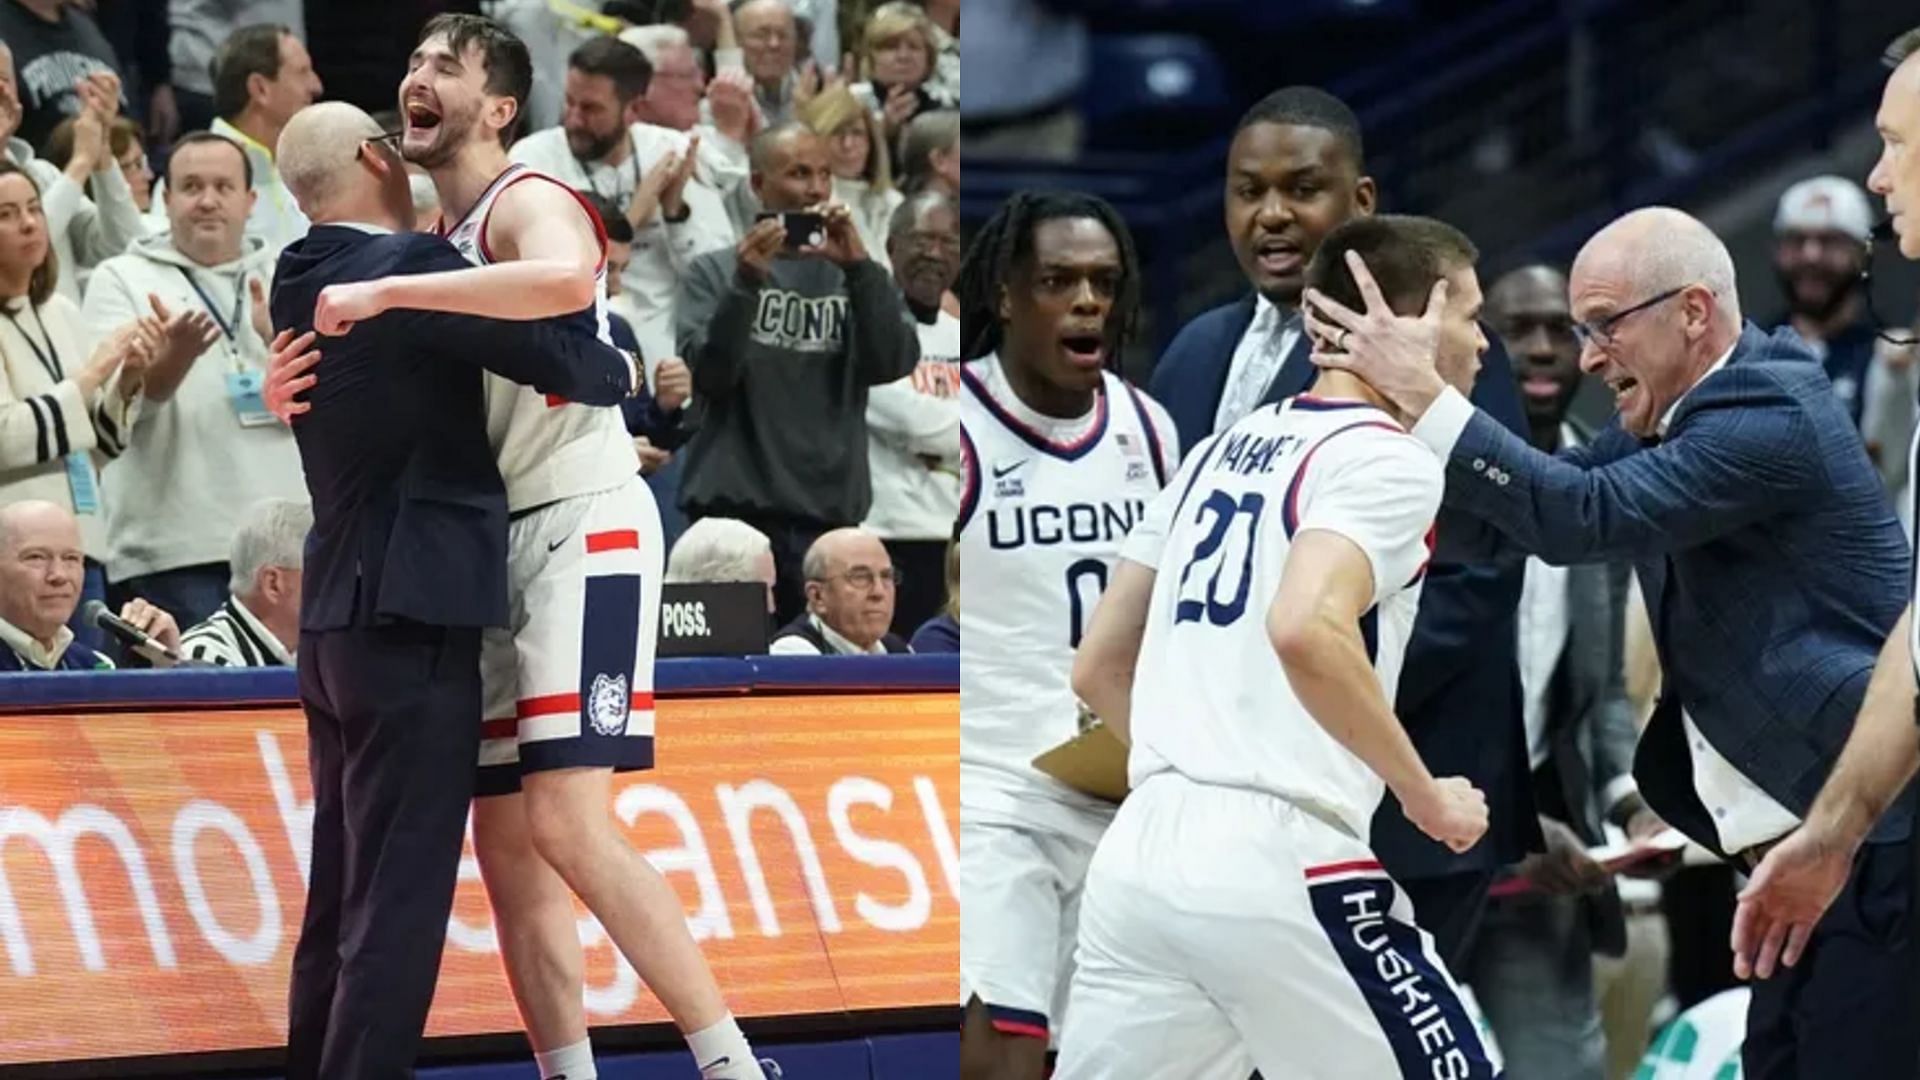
[1822, 232]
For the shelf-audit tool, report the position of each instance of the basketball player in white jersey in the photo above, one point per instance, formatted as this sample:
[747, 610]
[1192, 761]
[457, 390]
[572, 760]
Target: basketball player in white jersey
[1234, 917]
[1061, 457]
[568, 689]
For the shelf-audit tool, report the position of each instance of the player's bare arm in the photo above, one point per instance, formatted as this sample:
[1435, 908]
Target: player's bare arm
[1103, 667]
[549, 257]
[1798, 880]
[1314, 624]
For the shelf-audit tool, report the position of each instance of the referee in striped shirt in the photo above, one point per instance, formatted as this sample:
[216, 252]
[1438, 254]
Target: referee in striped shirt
[259, 625]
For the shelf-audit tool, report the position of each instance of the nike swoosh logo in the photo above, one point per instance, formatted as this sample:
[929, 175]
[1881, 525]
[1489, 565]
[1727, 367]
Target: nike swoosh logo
[999, 474]
[723, 1059]
[551, 548]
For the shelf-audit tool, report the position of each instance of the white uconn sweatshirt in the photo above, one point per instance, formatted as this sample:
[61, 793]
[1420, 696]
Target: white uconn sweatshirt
[191, 467]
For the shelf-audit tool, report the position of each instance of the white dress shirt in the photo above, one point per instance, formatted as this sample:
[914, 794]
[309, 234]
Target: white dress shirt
[1743, 815]
[1544, 624]
[1256, 360]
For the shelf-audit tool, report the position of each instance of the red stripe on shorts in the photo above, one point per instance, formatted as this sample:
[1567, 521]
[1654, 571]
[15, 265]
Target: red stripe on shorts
[613, 541]
[1343, 868]
[554, 401]
[548, 705]
[1015, 1027]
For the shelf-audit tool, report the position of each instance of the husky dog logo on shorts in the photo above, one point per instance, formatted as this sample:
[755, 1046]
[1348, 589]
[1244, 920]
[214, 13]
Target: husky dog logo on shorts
[607, 707]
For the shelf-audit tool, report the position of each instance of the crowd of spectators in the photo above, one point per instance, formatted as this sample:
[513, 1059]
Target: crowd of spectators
[801, 428]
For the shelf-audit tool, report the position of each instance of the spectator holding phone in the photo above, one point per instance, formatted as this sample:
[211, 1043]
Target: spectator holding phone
[785, 334]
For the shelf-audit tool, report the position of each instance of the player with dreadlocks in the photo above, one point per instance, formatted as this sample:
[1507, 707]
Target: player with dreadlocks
[1061, 457]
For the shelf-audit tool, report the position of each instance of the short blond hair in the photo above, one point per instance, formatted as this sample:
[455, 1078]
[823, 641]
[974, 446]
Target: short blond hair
[832, 109]
[889, 21]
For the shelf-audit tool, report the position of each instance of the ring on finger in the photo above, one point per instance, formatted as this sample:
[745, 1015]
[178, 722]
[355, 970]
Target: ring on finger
[1341, 341]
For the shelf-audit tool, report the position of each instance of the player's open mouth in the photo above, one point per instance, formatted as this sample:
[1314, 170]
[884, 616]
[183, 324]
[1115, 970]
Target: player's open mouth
[1084, 350]
[1278, 257]
[1621, 387]
[421, 118]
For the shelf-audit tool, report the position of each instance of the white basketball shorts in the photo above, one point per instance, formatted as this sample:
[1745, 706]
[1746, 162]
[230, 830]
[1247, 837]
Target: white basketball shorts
[570, 683]
[1225, 930]
[1019, 901]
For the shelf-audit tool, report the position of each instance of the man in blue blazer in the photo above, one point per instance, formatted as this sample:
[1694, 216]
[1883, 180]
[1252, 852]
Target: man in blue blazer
[1295, 171]
[1772, 567]
[406, 563]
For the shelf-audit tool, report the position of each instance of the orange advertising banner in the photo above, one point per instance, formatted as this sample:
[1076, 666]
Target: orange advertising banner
[153, 868]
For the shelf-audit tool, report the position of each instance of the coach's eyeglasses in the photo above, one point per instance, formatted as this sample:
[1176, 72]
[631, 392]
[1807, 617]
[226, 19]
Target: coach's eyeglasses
[863, 577]
[1600, 331]
[390, 138]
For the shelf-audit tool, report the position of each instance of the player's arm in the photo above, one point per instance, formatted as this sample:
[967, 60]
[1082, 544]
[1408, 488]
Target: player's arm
[1110, 647]
[1883, 751]
[550, 259]
[1364, 509]
[559, 358]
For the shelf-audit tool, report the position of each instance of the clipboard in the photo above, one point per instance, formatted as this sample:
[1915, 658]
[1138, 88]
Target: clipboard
[1613, 858]
[1093, 762]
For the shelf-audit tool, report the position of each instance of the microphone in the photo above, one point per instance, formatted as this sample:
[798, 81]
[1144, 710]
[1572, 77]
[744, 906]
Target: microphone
[95, 613]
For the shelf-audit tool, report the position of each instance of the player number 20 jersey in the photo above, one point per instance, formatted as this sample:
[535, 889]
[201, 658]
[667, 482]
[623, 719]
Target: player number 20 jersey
[1210, 698]
[1041, 523]
[546, 449]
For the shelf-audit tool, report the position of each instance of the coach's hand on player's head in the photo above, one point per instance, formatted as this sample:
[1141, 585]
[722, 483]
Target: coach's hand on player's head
[1451, 810]
[342, 305]
[1397, 355]
[672, 383]
[759, 247]
[843, 245]
[287, 366]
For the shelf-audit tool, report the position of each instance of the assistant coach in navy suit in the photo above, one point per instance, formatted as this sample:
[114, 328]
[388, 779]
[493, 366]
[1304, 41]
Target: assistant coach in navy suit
[406, 563]
[1295, 172]
[1772, 566]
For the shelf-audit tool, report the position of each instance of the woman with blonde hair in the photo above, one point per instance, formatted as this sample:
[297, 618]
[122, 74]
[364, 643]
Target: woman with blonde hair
[898, 51]
[862, 171]
[57, 422]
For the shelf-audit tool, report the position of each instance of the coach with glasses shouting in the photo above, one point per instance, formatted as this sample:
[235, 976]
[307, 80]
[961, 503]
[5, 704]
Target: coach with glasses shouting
[1772, 567]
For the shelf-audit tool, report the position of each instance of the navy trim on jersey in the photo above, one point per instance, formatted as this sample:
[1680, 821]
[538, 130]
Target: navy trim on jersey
[1320, 404]
[1153, 437]
[1212, 444]
[1407, 992]
[443, 230]
[969, 481]
[1072, 451]
[1290, 509]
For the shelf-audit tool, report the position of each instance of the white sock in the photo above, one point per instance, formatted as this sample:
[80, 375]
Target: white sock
[568, 1062]
[722, 1052]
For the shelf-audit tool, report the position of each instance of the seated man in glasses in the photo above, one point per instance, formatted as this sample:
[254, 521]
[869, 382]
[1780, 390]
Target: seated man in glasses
[850, 584]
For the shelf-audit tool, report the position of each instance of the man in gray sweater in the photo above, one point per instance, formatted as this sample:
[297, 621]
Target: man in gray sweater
[784, 343]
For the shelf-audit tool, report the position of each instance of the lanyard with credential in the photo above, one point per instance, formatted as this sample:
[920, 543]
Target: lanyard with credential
[229, 325]
[50, 359]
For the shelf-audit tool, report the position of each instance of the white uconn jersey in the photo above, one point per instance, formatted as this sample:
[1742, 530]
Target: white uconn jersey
[1210, 699]
[546, 449]
[1041, 524]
